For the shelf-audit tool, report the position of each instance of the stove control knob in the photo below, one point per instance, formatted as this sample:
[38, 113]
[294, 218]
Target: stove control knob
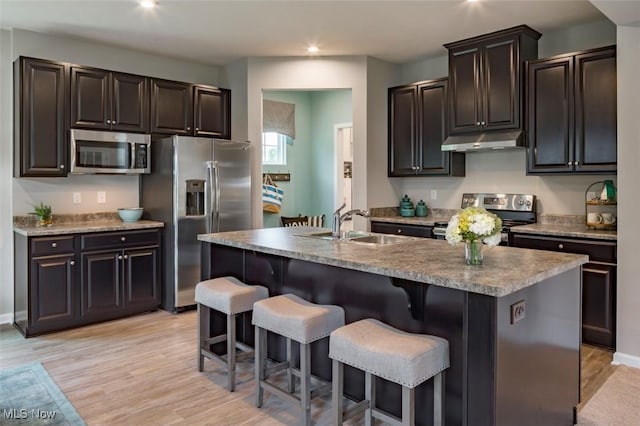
[521, 202]
[528, 203]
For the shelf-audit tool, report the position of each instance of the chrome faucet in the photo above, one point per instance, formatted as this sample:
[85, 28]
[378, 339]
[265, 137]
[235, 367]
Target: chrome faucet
[339, 218]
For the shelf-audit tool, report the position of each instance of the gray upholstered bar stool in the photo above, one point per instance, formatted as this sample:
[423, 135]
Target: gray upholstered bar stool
[230, 296]
[381, 350]
[297, 320]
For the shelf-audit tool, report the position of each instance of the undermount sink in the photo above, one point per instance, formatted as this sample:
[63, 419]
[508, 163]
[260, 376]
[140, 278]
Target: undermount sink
[359, 237]
[380, 239]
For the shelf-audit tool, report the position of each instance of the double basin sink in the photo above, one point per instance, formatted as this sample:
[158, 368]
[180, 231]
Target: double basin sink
[360, 237]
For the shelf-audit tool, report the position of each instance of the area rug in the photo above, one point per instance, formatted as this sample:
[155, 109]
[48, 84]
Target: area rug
[616, 403]
[28, 395]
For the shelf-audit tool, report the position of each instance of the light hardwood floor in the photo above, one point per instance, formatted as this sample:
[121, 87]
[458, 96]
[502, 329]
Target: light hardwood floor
[142, 370]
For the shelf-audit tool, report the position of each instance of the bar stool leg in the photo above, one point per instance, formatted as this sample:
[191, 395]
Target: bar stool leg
[336, 392]
[408, 406]
[203, 332]
[438, 401]
[260, 359]
[305, 383]
[369, 395]
[291, 381]
[231, 352]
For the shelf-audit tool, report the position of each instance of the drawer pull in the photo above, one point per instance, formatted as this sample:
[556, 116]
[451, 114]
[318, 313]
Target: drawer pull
[72, 262]
[123, 238]
[54, 245]
[399, 231]
[126, 256]
[560, 246]
[120, 257]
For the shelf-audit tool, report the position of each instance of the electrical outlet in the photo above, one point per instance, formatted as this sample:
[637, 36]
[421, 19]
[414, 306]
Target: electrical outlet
[591, 195]
[77, 198]
[434, 194]
[518, 311]
[102, 197]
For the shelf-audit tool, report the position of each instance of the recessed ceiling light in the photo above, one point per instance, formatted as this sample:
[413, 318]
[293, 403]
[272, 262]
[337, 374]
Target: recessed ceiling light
[148, 4]
[313, 49]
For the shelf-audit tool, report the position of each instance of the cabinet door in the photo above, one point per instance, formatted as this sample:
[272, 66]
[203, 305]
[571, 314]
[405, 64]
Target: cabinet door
[402, 130]
[171, 107]
[40, 118]
[100, 283]
[130, 103]
[90, 98]
[212, 112]
[52, 292]
[432, 131]
[596, 111]
[550, 115]
[142, 277]
[464, 86]
[599, 304]
[500, 85]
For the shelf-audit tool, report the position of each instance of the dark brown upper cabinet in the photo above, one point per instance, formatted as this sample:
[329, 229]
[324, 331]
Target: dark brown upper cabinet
[105, 100]
[40, 105]
[417, 128]
[193, 110]
[485, 79]
[171, 107]
[212, 112]
[571, 113]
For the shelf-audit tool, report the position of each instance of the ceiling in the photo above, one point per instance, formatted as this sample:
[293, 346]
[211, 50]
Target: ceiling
[217, 32]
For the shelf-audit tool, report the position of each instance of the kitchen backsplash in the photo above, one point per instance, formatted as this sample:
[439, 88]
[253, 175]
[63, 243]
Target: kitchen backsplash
[59, 219]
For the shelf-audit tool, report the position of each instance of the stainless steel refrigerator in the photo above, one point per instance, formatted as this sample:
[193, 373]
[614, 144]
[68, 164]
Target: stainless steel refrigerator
[196, 186]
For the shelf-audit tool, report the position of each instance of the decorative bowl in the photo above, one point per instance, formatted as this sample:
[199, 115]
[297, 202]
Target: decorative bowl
[131, 214]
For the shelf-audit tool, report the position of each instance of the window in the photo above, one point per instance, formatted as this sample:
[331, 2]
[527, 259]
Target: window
[274, 148]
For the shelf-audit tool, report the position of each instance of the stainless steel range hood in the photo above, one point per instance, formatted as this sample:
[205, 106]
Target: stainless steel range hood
[484, 141]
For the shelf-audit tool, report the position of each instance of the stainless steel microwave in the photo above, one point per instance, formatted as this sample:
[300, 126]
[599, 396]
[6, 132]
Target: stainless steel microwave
[94, 152]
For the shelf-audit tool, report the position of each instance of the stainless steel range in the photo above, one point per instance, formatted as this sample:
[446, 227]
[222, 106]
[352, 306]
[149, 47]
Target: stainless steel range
[513, 209]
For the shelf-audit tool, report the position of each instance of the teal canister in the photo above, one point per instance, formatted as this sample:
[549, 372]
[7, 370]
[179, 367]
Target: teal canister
[421, 209]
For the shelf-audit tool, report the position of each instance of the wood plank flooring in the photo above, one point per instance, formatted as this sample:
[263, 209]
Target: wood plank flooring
[142, 370]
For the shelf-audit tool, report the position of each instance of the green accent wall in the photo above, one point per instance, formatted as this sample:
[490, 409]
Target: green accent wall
[310, 157]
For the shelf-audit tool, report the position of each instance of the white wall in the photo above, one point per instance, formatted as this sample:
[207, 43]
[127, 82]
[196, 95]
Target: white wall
[628, 343]
[19, 194]
[308, 73]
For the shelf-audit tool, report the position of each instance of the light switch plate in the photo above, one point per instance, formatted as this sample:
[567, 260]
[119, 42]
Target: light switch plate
[77, 198]
[102, 197]
[434, 194]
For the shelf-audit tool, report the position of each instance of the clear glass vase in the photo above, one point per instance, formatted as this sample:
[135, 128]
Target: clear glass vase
[473, 252]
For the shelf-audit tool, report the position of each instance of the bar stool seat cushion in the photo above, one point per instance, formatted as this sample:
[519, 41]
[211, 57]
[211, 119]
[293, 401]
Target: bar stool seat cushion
[296, 318]
[229, 295]
[404, 358]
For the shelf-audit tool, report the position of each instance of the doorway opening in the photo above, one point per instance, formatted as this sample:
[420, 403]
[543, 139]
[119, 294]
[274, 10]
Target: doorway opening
[343, 148]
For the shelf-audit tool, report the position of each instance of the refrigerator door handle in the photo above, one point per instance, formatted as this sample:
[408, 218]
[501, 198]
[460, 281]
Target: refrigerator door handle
[213, 217]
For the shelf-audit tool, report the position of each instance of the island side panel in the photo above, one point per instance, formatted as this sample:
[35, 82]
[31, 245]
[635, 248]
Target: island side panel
[538, 357]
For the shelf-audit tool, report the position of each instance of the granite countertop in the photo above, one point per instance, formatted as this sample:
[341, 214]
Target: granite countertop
[85, 227]
[418, 259]
[565, 230]
[413, 220]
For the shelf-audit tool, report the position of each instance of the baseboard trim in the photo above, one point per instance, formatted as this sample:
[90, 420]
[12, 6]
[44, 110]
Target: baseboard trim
[626, 359]
[6, 318]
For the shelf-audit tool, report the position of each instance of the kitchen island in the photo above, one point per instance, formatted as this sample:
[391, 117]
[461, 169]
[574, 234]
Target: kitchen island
[513, 323]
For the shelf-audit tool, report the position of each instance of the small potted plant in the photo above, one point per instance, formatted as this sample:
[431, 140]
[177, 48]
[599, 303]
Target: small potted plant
[43, 211]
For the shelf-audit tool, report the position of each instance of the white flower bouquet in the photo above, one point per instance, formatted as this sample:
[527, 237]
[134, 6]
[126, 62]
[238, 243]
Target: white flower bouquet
[474, 224]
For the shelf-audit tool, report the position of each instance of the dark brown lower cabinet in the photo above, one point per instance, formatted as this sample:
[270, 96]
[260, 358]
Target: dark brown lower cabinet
[398, 229]
[598, 283]
[65, 281]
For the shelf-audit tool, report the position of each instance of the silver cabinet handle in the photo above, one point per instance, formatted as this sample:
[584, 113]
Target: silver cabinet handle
[126, 256]
[399, 231]
[577, 163]
[114, 122]
[120, 257]
[108, 121]
[570, 163]
[62, 166]
[123, 238]
[188, 127]
[197, 128]
[560, 246]
[477, 123]
[54, 245]
[483, 123]
[73, 262]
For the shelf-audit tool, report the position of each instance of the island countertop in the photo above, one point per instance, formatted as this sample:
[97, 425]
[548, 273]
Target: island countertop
[505, 269]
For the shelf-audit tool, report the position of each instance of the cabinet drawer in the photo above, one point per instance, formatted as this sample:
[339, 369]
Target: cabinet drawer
[120, 239]
[409, 230]
[52, 245]
[598, 251]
